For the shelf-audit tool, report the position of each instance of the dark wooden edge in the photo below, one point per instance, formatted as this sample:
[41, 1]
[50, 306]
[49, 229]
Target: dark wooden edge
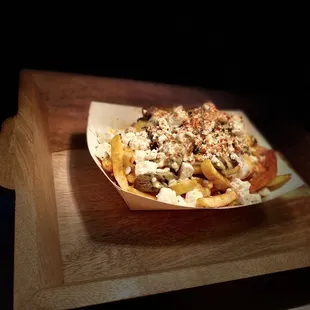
[37, 257]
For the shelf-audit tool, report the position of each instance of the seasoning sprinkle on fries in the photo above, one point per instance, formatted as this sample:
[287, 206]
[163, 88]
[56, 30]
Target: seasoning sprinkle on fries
[199, 158]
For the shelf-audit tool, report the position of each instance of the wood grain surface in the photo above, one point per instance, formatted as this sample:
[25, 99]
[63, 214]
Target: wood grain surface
[77, 243]
[124, 243]
[7, 154]
[37, 260]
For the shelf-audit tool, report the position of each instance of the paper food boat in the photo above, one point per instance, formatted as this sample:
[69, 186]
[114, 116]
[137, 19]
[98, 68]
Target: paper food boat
[103, 116]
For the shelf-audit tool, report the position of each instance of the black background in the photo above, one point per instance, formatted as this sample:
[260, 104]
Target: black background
[265, 57]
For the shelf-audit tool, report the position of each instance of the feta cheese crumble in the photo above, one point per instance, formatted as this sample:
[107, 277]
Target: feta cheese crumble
[136, 140]
[186, 171]
[144, 167]
[167, 195]
[103, 150]
[243, 190]
[192, 196]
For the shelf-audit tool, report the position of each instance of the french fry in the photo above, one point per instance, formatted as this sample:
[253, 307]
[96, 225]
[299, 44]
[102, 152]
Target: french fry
[197, 168]
[184, 186]
[117, 154]
[260, 180]
[140, 124]
[279, 181]
[229, 172]
[106, 164]
[204, 182]
[217, 201]
[133, 190]
[215, 191]
[131, 177]
[206, 192]
[128, 158]
[250, 140]
[210, 184]
[219, 181]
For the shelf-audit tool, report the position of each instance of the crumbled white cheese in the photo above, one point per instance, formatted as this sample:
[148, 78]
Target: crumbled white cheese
[215, 161]
[192, 196]
[235, 157]
[231, 149]
[162, 139]
[131, 129]
[127, 170]
[206, 106]
[167, 195]
[175, 166]
[139, 155]
[136, 141]
[265, 192]
[163, 124]
[243, 190]
[237, 125]
[143, 167]
[139, 144]
[142, 133]
[210, 139]
[151, 154]
[103, 150]
[181, 201]
[189, 158]
[104, 136]
[172, 182]
[245, 166]
[178, 116]
[127, 137]
[186, 171]
[181, 137]
[161, 158]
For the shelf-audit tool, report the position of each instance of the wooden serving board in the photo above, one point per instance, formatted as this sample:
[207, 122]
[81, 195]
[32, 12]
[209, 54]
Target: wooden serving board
[76, 241]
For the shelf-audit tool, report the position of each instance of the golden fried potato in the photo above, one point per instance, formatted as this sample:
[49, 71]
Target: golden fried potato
[117, 155]
[106, 164]
[184, 186]
[197, 168]
[250, 140]
[219, 181]
[218, 200]
[279, 181]
[131, 177]
[204, 182]
[232, 171]
[206, 192]
[128, 158]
